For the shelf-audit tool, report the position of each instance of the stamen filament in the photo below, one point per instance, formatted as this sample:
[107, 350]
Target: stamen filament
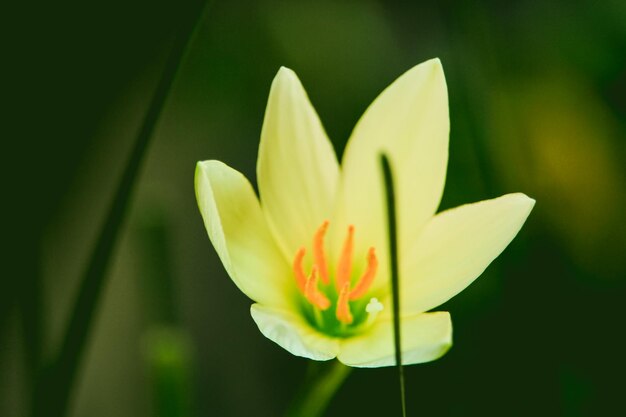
[365, 282]
[318, 252]
[313, 294]
[345, 262]
[343, 308]
[298, 270]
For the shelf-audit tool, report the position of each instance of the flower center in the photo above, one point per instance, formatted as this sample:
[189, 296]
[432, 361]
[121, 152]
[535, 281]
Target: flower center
[320, 298]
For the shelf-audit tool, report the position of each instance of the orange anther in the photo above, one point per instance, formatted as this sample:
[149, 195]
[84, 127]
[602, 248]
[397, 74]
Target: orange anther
[345, 262]
[343, 308]
[298, 270]
[367, 278]
[313, 294]
[318, 252]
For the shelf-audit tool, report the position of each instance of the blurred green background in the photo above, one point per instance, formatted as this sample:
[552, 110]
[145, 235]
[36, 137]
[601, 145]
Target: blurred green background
[537, 103]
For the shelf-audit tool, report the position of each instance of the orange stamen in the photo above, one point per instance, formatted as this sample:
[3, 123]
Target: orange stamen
[298, 270]
[308, 286]
[318, 252]
[343, 308]
[367, 278]
[313, 294]
[345, 262]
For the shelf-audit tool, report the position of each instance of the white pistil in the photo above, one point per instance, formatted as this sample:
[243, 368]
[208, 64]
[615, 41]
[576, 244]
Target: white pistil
[373, 308]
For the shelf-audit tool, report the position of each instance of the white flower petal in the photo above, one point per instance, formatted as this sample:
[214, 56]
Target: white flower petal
[297, 168]
[239, 233]
[456, 246]
[409, 122]
[425, 337]
[291, 332]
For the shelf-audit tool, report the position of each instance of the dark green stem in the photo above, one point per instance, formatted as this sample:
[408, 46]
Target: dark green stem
[322, 381]
[393, 262]
[55, 388]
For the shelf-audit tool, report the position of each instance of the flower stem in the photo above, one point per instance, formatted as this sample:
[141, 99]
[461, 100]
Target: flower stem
[393, 261]
[321, 382]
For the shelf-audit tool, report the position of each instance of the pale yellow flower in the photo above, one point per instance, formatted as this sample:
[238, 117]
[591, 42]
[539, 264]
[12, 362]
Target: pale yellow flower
[312, 254]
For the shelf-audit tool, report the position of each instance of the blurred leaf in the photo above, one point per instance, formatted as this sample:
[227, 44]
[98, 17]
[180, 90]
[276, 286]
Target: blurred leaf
[556, 136]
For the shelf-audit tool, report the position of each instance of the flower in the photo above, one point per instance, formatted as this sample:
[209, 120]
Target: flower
[312, 253]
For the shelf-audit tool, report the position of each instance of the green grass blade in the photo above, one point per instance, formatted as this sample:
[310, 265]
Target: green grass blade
[393, 261]
[55, 388]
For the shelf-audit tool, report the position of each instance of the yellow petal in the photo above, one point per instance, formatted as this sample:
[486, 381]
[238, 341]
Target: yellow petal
[239, 233]
[297, 168]
[425, 337]
[456, 246]
[409, 122]
[291, 332]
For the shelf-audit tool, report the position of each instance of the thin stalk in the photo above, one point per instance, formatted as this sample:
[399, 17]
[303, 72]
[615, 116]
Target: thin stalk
[56, 387]
[393, 261]
[322, 381]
